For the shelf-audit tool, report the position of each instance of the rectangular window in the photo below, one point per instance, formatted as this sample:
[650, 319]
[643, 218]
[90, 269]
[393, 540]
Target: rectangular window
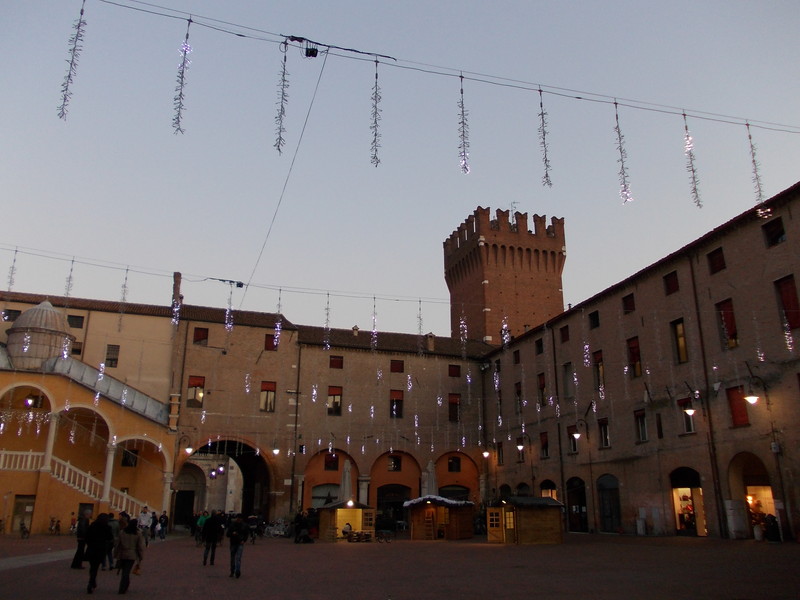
[774, 232]
[738, 406]
[679, 341]
[641, 425]
[395, 462]
[334, 402]
[269, 343]
[572, 440]
[518, 397]
[544, 445]
[454, 464]
[716, 261]
[266, 399]
[539, 346]
[687, 412]
[659, 427]
[112, 355]
[628, 304]
[331, 461]
[129, 457]
[196, 391]
[454, 370]
[568, 379]
[500, 457]
[10, 315]
[77, 348]
[603, 430]
[787, 302]
[541, 390]
[75, 321]
[200, 336]
[336, 362]
[516, 357]
[564, 333]
[727, 324]
[453, 407]
[634, 358]
[395, 404]
[671, 283]
[397, 366]
[598, 370]
[594, 319]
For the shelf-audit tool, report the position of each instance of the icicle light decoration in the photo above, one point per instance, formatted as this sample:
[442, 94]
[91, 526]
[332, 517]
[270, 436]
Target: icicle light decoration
[624, 185]
[373, 340]
[326, 336]
[688, 150]
[229, 312]
[420, 336]
[462, 331]
[283, 99]
[178, 101]
[505, 332]
[276, 336]
[762, 211]
[12, 270]
[69, 282]
[176, 312]
[375, 117]
[75, 47]
[463, 131]
[543, 142]
[123, 298]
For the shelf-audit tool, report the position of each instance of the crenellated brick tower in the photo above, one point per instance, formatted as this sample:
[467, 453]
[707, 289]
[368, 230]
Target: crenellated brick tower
[496, 269]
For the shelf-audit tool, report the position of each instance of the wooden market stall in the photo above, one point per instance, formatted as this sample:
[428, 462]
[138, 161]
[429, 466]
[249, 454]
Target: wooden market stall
[333, 518]
[437, 518]
[525, 520]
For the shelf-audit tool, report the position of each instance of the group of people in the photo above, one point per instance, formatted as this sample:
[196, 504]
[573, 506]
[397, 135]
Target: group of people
[153, 525]
[107, 540]
[214, 528]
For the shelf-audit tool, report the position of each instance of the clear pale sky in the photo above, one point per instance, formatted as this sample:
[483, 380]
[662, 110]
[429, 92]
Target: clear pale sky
[114, 187]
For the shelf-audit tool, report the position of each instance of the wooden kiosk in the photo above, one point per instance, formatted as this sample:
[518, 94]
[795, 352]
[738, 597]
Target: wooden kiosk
[437, 518]
[333, 517]
[525, 520]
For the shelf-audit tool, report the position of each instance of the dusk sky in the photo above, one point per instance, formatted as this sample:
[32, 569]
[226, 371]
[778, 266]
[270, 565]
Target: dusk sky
[113, 190]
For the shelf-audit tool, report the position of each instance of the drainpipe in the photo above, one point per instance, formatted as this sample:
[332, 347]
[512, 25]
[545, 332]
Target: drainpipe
[712, 447]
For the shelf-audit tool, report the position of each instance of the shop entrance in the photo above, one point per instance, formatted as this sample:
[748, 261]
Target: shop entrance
[608, 500]
[687, 502]
[577, 517]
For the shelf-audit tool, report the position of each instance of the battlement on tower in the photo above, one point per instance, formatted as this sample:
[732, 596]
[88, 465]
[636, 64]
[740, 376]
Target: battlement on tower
[479, 228]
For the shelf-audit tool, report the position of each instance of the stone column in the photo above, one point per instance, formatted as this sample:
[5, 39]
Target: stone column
[51, 440]
[111, 451]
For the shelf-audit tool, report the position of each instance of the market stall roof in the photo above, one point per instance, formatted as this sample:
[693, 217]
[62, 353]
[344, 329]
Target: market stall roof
[437, 500]
[342, 504]
[533, 501]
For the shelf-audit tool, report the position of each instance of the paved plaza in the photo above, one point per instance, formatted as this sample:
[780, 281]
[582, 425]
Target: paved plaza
[585, 566]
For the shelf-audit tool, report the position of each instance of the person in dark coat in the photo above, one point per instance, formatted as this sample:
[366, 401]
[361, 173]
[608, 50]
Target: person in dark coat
[81, 529]
[99, 539]
[238, 533]
[213, 529]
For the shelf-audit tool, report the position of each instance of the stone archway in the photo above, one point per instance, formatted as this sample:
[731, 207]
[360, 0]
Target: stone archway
[687, 502]
[751, 494]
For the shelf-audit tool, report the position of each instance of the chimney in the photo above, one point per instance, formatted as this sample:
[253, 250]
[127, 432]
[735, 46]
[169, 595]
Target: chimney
[355, 330]
[430, 341]
[177, 299]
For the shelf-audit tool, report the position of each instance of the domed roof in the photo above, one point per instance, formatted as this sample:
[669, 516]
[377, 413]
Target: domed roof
[42, 317]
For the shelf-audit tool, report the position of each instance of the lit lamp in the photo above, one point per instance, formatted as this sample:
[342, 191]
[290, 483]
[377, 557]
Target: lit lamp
[220, 468]
[690, 411]
[486, 453]
[276, 451]
[751, 396]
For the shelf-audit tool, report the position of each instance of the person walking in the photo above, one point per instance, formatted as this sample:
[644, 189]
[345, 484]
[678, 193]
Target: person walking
[212, 534]
[128, 550]
[114, 524]
[81, 529]
[163, 523]
[99, 540]
[237, 533]
[144, 524]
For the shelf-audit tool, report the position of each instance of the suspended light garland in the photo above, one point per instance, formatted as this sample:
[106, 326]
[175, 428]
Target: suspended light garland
[229, 312]
[688, 149]
[762, 211]
[123, 298]
[463, 131]
[373, 340]
[283, 99]
[624, 186]
[375, 117]
[420, 337]
[178, 101]
[69, 282]
[75, 47]
[276, 337]
[326, 337]
[543, 142]
[12, 271]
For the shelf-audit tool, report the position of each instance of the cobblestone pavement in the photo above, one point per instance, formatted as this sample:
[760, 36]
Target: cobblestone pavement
[585, 566]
